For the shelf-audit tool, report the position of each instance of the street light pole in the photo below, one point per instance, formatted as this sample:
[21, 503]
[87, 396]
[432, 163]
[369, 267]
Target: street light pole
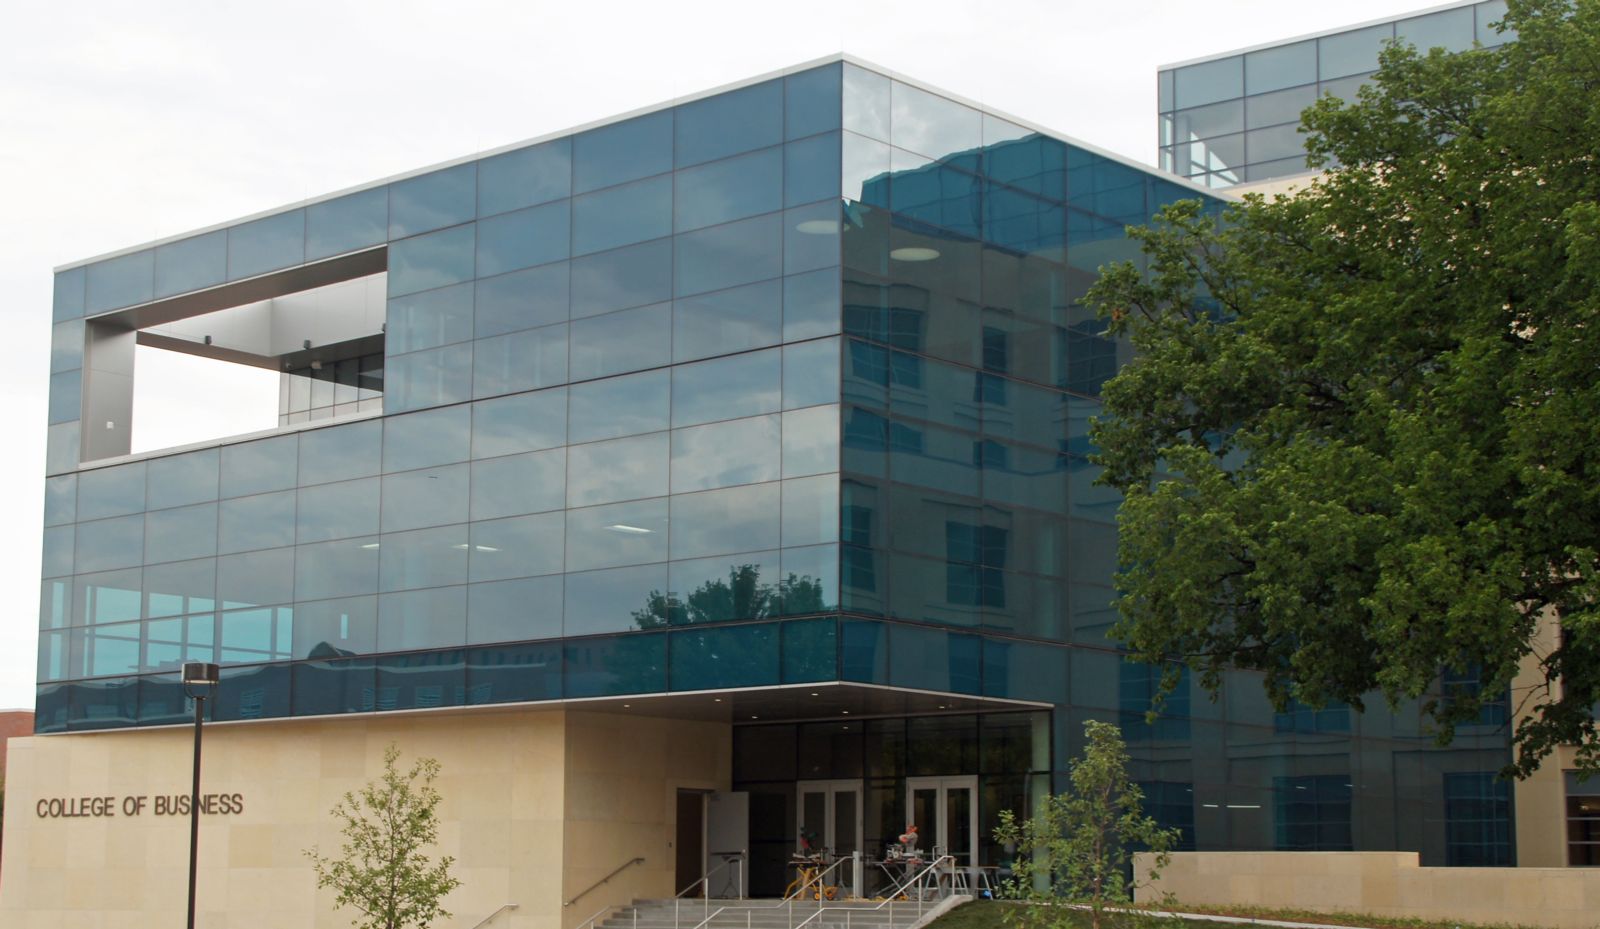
[199, 679]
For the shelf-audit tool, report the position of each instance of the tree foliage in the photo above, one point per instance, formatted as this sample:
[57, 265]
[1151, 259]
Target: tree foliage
[742, 596]
[383, 869]
[1360, 441]
[1076, 850]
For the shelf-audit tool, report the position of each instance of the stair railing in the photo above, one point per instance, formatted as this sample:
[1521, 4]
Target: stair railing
[485, 921]
[914, 881]
[704, 882]
[621, 868]
[786, 903]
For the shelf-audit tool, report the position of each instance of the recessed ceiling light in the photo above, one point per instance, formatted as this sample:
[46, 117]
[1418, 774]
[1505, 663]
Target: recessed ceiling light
[716, 699]
[913, 253]
[846, 712]
[630, 530]
[813, 695]
[755, 717]
[626, 705]
[819, 227]
[370, 545]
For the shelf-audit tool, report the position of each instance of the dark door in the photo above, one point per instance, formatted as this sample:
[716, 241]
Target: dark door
[691, 848]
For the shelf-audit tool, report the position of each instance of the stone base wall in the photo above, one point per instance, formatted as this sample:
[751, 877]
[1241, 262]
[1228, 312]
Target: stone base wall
[1381, 884]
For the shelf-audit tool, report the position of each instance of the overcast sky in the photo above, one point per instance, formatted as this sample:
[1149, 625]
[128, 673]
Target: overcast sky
[126, 122]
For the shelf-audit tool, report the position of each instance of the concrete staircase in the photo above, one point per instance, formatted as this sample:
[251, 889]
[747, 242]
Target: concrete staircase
[774, 914]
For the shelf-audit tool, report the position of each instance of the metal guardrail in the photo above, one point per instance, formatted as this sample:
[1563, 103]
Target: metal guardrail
[485, 921]
[939, 865]
[585, 892]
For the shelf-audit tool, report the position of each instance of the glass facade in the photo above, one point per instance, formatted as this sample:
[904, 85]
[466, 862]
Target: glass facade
[784, 385]
[1235, 118]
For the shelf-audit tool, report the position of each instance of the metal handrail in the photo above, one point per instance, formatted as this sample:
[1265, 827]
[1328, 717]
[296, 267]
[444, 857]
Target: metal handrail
[787, 901]
[503, 907]
[706, 877]
[917, 878]
[625, 866]
[589, 923]
[705, 896]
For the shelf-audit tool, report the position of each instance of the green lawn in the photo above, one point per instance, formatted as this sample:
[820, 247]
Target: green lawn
[982, 914]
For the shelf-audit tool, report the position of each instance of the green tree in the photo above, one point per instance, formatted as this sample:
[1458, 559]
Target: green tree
[383, 869]
[1359, 441]
[1076, 851]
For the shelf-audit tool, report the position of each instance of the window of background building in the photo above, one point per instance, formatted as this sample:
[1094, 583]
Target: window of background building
[1583, 821]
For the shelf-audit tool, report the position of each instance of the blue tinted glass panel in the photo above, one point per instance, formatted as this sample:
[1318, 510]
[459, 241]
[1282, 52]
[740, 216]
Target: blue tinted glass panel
[421, 558]
[106, 598]
[626, 277]
[66, 397]
[429, 497]
[737, 656]
[935, 126]
[622, 152]
[810, 373]
[863, 652]
[622, 215]
[341, 452]
[346, 568]
[735, 519]
[523, 423]
[810, 441]
[267, 244]
[258, 467]
[522, 546]
[55, 604]
[180, 479]
[811, 305]
[810, 579]
[111, 491]
[811, 169]
[811, 237]
[429, 319]
[741, 585]
[253, 693]
[1450, 30]
[519, 361]
[337, 511]
[181, 587]
[623, 665]
[422, 681]
[346, 685]
[429, 378]
[727, 190]
[181, 533]
[516, 484]
[360, 220]
[1209, 82]
[433, 201]
[726, 256]
[110, 543]
[812, 101]
[513, 611]
[1488, 16]
[256, 578]
[935, 660]
[618, 406]
[423, 440]
[1353, 52]
[524, 300]
[66, 345]
[618, 534]
[741, 451]
[726, 388]
[118, 282]
[630, 340]
[621, 469]
[430, 261]
[191, 264]
[728, 321]
[612, 601]
[810, 651]
[60, 499]
[67, 297]
[732, 122]
[865, 102]
[58, 545]
[61, 447]
[810, 510]
[514, 673]
[522, 239]
[525, 177]
[1279, 67]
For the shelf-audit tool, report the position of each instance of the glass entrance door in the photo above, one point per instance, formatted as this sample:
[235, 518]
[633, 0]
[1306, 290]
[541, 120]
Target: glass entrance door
[830, 819]
[945, 812]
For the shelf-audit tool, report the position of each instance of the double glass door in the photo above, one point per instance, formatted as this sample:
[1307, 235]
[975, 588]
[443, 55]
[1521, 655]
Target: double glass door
[830, 815]
[945, 812]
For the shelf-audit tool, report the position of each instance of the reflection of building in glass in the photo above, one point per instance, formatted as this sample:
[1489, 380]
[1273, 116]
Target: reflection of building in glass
[1234, 118]
[748, 434]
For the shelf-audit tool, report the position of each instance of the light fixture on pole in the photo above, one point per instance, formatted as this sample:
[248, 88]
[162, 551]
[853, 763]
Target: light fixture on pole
[199, 682]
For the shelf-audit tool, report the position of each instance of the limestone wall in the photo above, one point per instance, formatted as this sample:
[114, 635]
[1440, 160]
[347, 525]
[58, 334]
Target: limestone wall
[1383, 884]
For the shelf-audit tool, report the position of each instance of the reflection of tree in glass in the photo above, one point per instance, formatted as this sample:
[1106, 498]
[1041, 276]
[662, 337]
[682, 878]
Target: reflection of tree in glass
[741, 596]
